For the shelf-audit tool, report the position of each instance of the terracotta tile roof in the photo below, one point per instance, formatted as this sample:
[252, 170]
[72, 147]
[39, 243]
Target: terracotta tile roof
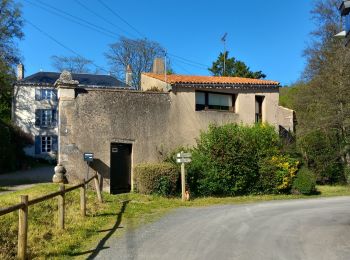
[189, 79]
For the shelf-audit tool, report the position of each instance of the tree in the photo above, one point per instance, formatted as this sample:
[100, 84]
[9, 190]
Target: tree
[139, 54]
[322, 104]
[233, 68]
[6, 78]
[11, 24]
[74, 64]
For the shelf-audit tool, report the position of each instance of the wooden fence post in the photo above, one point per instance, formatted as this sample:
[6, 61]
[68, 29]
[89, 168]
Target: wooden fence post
[61, 207]
[23, 228]
[83, 199]
[98, 189]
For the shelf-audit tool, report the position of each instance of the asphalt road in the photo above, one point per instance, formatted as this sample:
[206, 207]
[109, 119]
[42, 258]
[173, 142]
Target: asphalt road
[298, 229]
[20, 180]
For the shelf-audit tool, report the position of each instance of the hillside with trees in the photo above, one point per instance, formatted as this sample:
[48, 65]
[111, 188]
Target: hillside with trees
[322, 99]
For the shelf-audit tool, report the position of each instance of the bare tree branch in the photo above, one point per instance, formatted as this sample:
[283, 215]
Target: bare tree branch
[73, 64]
[139, 54]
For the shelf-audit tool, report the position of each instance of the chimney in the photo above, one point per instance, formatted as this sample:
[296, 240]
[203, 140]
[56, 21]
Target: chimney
[128, 75]
[20, 71]
[158, 66]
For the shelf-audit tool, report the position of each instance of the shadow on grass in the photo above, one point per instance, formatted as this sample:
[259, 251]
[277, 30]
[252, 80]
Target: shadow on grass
[101, 245]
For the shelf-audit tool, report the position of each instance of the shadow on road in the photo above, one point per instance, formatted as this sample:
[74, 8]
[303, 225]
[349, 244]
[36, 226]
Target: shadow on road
[101, 245]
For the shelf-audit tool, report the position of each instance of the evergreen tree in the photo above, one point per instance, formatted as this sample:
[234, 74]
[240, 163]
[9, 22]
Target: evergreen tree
[233, 68]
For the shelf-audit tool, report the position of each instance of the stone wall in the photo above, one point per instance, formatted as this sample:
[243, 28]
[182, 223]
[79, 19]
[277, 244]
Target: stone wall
[95, 118]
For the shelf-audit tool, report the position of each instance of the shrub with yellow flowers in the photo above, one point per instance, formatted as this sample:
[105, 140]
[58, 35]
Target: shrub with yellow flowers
[277, 174]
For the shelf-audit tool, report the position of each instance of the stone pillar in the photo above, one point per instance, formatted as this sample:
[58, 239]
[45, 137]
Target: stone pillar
[59, 176]
[66, 92]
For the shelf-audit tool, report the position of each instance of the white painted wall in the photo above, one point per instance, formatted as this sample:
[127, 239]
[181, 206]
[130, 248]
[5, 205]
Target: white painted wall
[23, 114]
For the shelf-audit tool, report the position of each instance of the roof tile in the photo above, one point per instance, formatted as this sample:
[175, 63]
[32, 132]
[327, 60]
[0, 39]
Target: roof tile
[189, 79]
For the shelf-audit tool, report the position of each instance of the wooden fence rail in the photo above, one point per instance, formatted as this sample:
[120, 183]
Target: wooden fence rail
[25, 203]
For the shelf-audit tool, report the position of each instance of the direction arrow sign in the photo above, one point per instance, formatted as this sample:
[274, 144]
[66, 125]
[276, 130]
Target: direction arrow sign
[184, 155]
[183, 160]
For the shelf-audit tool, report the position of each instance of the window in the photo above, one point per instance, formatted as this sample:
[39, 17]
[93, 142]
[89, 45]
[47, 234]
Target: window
[45, 94]
[46, 144]
[45, 118]
[214, 101]
[200, 101]
[258, 108]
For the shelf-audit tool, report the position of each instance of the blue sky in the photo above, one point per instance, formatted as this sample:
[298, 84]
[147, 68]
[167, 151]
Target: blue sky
[267, 35]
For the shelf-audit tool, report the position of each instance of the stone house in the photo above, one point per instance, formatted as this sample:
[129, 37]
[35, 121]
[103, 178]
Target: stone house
[123, 128]
[35, 106]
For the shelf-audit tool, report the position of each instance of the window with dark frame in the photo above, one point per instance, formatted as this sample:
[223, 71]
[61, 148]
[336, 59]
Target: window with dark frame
[46, 118]
[215, 101]
[45, 94]
[46, 144]
[258, 108]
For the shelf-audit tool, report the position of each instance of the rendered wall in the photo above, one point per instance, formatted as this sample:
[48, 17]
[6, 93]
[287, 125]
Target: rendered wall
[286, 118]
[155, 123]
[95, 118]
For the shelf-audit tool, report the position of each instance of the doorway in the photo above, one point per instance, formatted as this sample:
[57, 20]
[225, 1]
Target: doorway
[120, 171]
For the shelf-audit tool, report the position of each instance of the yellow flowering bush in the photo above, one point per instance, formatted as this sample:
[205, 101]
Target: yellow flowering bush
[277, 174]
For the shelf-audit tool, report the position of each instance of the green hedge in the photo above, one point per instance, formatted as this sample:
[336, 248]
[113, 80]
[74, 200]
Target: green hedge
[156, 178]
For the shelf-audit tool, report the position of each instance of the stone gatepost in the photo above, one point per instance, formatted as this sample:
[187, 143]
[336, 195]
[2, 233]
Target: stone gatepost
[66, 92]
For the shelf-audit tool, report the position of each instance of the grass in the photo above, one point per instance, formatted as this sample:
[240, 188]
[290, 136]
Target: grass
[117, 214]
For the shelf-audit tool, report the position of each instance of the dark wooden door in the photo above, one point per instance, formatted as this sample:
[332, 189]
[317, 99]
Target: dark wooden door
[120, 172]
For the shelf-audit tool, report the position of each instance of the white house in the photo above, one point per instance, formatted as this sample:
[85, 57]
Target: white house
[34, 106]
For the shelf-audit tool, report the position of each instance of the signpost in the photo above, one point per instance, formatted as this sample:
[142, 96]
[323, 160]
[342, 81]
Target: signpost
[183, 158]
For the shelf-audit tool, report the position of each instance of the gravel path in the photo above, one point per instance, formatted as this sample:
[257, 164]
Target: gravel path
[297, 229]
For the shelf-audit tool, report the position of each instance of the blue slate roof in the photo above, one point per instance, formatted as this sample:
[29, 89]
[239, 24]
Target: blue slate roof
[49, 78]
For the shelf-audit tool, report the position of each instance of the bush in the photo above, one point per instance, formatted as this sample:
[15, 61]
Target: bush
[226, 159]
[305, 182]
[277, 174]
[156, 178]
[321, 154]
